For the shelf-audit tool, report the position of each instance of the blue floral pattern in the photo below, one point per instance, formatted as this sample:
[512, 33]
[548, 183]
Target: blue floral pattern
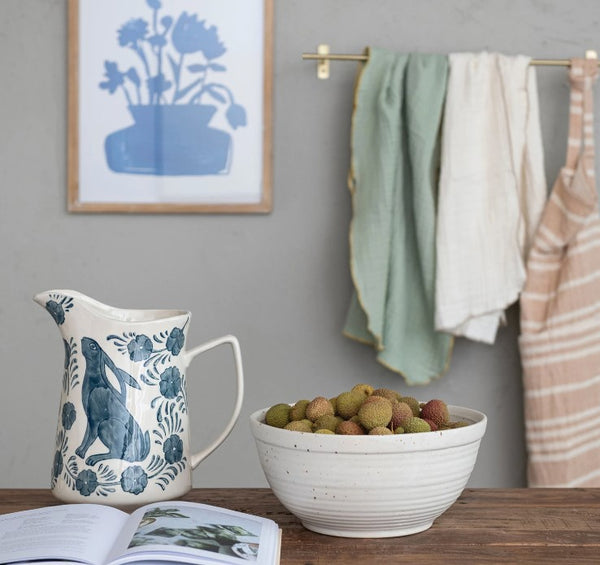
[175, 341]
[192, 36]
[140, 348]
[57, 306]
[170, 382]
[86, 482]
[69, 415]
[134, 480]
[57, 466]
[173, 449]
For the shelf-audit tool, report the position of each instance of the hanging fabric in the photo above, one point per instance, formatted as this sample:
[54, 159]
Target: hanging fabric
[560, 313]
[393, 183]
[492, 191]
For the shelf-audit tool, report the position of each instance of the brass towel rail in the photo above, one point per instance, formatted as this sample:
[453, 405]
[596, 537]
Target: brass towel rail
[323, 56]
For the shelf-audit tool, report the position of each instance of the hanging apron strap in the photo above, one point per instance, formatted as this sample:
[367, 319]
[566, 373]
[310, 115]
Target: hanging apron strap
[580, 147]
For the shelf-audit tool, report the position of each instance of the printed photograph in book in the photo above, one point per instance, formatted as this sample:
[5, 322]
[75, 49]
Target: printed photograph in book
[196, 529]
[169, 103]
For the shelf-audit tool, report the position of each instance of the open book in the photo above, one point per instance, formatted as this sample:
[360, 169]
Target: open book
[184, 532]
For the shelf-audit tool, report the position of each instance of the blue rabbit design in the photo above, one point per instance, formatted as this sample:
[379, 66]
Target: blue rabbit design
[105, 407]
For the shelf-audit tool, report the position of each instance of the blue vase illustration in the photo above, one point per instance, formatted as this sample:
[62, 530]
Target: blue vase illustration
[170, 140]
[171, 132]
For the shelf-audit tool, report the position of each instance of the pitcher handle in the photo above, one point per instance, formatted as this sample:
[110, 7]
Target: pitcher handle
[237, 355]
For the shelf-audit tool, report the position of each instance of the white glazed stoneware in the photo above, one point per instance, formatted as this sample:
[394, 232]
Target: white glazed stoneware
[369, 486]
[123, 434]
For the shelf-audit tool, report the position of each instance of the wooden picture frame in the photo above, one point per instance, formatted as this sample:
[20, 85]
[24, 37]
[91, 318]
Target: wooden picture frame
[150, 129]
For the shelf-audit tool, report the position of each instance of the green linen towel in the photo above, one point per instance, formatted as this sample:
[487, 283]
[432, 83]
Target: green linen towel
[393, 182]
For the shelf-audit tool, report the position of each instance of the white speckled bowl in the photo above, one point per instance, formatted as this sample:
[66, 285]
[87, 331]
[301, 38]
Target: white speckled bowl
[369, 486]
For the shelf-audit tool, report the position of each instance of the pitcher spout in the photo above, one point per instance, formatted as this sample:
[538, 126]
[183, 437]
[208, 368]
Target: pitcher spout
[56, 302]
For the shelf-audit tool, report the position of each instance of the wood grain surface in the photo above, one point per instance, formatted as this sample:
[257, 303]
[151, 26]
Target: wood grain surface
[521, 526]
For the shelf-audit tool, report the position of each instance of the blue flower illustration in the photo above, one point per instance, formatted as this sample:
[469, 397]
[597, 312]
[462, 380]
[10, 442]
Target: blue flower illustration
[175, 341]
[190, 36]
[114, 77]
[170, 382]
[173, 449]
[57, 467]
[56, 311]
[134, 480]
[133, 31]
[86, 482]
[165, 100]
[140, 348]
[68, 415]
[236, 116]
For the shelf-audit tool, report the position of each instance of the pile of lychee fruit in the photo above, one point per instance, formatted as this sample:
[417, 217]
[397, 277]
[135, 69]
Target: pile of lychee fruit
[363, 410]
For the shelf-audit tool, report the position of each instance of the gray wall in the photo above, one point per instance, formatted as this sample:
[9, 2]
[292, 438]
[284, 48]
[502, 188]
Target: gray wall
[279, 282]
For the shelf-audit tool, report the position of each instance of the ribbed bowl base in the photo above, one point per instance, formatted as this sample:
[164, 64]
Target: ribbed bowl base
[357, 533]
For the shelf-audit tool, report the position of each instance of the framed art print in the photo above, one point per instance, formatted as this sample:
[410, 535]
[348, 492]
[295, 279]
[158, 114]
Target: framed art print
[170, 106]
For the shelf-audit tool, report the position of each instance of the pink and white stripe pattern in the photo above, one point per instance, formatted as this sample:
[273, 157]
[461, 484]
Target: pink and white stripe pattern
[560, 313]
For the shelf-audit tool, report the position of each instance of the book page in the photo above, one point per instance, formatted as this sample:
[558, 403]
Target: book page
[195, 533]
[71, 532]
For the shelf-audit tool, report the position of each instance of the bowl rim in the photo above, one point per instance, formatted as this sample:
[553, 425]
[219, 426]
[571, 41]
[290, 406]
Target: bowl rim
[424, 441]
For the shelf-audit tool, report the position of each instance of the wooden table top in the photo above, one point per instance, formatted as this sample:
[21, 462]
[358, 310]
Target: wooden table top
[520, 526]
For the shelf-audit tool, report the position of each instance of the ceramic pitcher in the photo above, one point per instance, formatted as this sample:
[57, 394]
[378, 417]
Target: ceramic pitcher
[123, 434]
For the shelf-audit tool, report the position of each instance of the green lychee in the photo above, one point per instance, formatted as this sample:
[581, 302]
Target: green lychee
[327, 422]
[325, 431]
[348, 403]
[278, 415]
[376, 411]
[298, 411]
[299, 426]
[416, 425]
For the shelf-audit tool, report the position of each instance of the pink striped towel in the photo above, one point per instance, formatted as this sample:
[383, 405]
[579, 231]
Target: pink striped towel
[560, 313]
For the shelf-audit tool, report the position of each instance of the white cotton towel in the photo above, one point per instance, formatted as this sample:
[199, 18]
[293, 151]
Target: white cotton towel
[492, 191]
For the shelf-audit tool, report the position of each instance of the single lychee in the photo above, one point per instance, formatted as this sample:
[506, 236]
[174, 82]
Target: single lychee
[299, 426]
[348, 403]
[278, 415]
[318, 407]
[376, 411]
[401, 413]
[349, 428]
[415, 425]
[437, 411]
[391, 395]
[298, 411]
